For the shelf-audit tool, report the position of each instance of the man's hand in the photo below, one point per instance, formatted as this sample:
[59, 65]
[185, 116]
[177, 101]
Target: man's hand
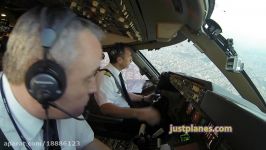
[149, 98]
[96, 145]
[149, 115]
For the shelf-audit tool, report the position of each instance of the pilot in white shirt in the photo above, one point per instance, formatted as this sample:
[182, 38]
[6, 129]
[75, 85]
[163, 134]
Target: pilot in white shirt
[50, 60]
[72, 133]
[112, 96]
[108, 88]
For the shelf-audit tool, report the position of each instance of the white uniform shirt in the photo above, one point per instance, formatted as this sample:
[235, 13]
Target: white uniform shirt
[74, 134]
[108, 91]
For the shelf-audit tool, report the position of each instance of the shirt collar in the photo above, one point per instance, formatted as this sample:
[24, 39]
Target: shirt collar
[113, 69]
[28, 124]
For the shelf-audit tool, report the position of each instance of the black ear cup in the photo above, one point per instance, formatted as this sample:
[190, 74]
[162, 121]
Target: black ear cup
[45, 81]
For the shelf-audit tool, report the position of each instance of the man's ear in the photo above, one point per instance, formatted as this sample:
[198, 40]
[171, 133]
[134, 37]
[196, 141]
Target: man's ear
[119, 59]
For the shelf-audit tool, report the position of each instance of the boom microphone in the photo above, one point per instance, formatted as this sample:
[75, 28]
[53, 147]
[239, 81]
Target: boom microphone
[64, 111]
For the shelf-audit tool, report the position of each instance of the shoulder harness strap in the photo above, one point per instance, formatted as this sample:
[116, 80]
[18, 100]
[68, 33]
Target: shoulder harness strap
[4, 144]
[117, 84]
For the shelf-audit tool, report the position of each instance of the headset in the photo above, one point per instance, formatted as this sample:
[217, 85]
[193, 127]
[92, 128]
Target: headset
[46, 80]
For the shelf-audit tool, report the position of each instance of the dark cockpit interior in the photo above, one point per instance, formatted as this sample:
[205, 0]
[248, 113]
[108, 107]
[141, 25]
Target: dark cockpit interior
[192, 102]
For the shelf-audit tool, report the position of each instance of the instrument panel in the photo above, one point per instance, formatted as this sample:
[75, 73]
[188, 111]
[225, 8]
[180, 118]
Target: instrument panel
[202, 121]
[192, 91]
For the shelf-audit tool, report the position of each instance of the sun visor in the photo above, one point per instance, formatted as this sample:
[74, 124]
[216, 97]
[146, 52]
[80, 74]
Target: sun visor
[111, 38]
[167, 30]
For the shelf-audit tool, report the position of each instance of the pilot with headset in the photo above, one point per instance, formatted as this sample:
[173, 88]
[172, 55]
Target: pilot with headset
[44, 82]
[112, 95]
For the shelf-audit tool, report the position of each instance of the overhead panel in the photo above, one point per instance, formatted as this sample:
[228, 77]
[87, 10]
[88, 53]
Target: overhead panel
[130, 21]
[114, 16]
[161, 19]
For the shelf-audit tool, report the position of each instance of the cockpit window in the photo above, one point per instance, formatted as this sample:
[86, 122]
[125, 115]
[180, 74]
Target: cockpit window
[243, 21]
[186, 58]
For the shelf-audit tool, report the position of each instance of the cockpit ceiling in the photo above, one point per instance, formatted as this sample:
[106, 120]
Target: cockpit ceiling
[129, 21]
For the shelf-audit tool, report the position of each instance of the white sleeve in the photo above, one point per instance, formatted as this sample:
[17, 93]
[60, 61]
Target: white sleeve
[105, 89]
[84, 134]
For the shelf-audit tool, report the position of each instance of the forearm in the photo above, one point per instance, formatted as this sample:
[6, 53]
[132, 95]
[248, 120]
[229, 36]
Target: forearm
[147, 114]
[120, 112]
[136, 97]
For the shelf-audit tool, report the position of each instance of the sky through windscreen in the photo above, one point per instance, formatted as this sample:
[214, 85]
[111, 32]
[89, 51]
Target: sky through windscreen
[245, 22]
